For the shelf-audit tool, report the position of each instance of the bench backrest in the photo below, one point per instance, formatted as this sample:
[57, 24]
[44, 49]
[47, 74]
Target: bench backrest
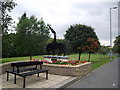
[26, 64]
[29, 63]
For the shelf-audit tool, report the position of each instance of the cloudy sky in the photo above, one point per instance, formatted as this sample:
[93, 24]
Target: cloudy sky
[63, 13]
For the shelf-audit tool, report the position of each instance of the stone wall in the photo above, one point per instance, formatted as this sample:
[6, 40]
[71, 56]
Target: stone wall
[78, 70]
[4, 67]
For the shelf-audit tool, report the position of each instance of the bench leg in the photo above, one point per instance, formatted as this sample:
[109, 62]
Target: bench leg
[15, 79]
[7, 76]
[38, 74]
[23, 82]
[46, 75]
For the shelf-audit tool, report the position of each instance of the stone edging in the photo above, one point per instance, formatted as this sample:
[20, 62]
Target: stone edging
[78, 70]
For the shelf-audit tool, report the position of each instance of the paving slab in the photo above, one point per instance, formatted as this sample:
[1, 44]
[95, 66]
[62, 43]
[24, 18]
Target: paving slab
[35, 82]
[65, 83]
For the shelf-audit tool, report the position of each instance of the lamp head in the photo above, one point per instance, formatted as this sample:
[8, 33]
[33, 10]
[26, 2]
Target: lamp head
[114, 7]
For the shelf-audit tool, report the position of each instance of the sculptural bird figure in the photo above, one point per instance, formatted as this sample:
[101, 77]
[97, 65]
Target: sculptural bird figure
[55, 45]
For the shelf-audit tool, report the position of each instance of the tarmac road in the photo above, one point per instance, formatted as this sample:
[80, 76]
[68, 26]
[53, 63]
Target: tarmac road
[104, 77]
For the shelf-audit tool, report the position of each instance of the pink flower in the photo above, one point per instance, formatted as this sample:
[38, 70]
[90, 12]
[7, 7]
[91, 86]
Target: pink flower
[35, 59]
[67, 61]
[59, 60]
[47, 62]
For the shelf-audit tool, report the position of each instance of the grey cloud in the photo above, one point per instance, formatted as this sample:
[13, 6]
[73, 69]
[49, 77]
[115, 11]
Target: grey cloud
[94, 14]
[90, 7]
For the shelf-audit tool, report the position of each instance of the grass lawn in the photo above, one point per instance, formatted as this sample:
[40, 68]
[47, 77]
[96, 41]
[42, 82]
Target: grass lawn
[96, 59]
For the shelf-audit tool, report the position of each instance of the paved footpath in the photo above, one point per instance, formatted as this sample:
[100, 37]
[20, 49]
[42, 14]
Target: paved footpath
[104, 77]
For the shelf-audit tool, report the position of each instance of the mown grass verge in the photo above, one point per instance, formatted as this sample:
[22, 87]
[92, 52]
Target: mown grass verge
[96, 59]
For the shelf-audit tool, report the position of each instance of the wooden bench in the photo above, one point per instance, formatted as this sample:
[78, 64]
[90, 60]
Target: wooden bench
[27, 68]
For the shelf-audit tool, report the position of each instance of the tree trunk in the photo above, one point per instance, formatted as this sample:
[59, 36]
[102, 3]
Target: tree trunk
[100, 57]
[79, 55]
[89, 57]
[31, 51]
[30, 57]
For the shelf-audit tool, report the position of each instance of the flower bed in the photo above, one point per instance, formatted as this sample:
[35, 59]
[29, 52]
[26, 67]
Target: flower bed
[60, 62]
[68, 68]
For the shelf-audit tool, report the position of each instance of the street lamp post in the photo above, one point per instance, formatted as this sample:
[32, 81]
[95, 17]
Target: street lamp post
[111, 32]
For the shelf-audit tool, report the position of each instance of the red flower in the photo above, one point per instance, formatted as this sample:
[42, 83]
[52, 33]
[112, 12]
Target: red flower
[83, 48]
[54, 61]
[83, 61]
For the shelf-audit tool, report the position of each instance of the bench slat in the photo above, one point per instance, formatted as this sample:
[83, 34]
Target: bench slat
[21, 70]
[33, 72]
[22, 64]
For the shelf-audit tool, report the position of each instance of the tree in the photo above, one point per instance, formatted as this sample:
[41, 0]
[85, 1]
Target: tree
[5, 7]
[6, 22]
[32, 36]
[116, 47]
[9, 50]
[92, 45]
[78, 35]
[104, 50]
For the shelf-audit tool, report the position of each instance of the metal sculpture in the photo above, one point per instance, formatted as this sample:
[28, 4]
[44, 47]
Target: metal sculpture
[55, 45]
